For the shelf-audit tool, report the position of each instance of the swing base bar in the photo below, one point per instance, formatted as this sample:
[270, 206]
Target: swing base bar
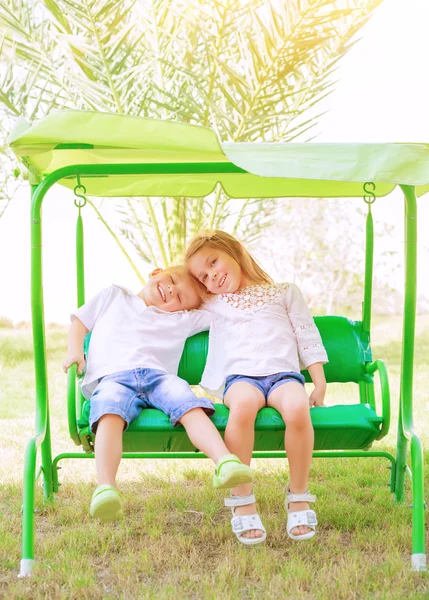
[27, 564]
[200, 455]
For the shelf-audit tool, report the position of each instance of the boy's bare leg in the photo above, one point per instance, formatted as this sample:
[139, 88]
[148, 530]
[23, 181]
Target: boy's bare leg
[292, 402]
[108, 448]
[203, 434]
[244, 401]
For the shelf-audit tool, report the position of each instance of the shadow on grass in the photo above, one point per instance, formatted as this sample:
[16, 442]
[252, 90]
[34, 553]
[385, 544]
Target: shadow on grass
[175, 541]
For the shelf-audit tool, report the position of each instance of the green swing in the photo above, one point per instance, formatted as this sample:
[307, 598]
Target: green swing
[145, 157]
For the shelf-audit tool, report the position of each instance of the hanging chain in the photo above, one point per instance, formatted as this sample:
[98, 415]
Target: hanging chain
[369, 193]
[79, 192]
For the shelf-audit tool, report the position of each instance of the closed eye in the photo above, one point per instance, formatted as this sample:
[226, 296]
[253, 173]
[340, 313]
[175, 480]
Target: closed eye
[178, 297]
[214, 262]
[203, 278]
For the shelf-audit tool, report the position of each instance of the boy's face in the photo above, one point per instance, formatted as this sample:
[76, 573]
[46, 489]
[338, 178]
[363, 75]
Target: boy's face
[170, 290]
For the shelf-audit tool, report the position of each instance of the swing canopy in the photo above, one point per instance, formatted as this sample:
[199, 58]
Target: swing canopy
[178, 159]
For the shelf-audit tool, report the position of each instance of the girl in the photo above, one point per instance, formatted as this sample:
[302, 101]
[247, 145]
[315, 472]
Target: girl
[261, 333]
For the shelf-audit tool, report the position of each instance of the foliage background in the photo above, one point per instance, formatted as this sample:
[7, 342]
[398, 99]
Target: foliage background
[252, 70]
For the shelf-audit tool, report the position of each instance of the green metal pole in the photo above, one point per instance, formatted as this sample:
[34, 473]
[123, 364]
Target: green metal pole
[369, 262]
[80, 270]
[38, 321]
[255, 454]
[42, 435]
[418, 560]
[366, 391]
[402, 439]
[363, 392]
[27, 558]
[401, 456]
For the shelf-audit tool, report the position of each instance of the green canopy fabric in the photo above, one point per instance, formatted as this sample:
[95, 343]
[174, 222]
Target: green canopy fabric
[73, 137]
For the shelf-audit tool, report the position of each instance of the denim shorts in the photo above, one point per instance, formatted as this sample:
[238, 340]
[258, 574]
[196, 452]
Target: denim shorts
[266, 383]
[127, 393]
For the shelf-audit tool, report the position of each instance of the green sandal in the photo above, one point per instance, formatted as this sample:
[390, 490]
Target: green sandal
[106, 504]
[230, 472]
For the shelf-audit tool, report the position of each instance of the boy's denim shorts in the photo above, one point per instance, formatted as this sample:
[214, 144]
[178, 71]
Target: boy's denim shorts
[127, 393]
[266, 383]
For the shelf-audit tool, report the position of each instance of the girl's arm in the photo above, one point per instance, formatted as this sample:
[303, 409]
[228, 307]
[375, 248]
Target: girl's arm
[317, 375]
[311, 352]
[77, 333]
[309, 343]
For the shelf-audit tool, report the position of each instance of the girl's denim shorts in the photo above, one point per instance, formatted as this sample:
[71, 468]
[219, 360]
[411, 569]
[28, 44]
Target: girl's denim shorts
[127, 393]
[266, 383]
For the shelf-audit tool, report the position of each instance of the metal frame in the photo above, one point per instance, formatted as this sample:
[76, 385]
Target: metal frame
[42, 436]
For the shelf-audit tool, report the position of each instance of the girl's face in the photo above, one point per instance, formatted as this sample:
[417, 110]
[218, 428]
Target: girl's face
[217, 270]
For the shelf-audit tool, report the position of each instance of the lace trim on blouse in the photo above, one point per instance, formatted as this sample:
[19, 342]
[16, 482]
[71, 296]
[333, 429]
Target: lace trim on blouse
[309, 331]
[255, 296]
[303, 348]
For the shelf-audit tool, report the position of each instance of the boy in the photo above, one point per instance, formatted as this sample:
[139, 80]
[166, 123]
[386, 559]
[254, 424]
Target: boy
[136, 346]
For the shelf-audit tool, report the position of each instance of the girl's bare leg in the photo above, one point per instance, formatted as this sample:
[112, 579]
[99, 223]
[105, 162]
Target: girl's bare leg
[108, 448]
[244, 401]
[292, 402]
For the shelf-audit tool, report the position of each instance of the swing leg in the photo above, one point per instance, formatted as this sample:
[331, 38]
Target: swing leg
[406, 431]
[418, 558]
[401, 462]
[42, 425]
[27, 560]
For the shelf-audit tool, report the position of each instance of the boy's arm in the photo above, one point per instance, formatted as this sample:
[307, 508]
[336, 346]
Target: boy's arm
[199, 320]
[317, 375]
[77, 333]
[88, 313]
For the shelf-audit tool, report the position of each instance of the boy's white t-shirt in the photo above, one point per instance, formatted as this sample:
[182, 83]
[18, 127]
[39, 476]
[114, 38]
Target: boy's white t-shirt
[127, 334]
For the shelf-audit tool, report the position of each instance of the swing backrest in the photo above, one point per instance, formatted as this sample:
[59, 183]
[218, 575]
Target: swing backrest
[346, 344]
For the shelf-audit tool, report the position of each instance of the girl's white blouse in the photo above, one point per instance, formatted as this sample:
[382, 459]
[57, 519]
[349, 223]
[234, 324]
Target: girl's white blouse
[260, 330]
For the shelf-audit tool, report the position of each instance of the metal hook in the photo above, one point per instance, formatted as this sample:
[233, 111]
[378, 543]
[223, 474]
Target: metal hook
[79, 186]
[369, 196]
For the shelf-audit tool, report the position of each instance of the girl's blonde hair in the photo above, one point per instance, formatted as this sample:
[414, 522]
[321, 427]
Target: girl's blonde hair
[220, 240]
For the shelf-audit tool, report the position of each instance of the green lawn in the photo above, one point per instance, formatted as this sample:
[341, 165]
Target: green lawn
[175, 541]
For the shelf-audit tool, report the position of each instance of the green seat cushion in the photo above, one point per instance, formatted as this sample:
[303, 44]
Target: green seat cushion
[341, 427]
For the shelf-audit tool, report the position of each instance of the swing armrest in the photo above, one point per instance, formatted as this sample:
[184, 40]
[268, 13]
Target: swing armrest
[72, 396]
[380, 367]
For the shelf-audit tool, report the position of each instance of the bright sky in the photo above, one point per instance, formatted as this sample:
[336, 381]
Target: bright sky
[381, 96]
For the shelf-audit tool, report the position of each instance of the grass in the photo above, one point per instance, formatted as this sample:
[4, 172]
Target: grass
[175, 541]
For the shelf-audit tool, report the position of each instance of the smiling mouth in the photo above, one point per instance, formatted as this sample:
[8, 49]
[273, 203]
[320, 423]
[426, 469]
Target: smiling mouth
[162, 293]
[222, 281]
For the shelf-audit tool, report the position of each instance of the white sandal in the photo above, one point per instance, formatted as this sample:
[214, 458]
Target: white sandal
[307, 518]
[241, 524]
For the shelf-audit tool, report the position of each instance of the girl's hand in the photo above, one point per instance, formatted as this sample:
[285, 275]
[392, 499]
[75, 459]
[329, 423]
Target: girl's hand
[317, 396]
[78, 360]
